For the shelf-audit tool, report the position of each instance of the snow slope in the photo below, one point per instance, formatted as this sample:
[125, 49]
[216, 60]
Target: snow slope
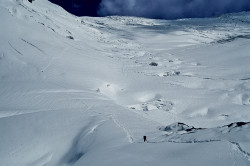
[84, 91]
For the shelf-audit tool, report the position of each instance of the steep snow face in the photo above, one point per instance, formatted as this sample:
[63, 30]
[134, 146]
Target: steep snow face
[84, 91]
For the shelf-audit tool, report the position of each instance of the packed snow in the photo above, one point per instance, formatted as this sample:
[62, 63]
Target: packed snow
[84, 91]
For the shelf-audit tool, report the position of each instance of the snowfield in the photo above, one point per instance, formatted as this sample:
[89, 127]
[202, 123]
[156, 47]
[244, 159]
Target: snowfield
[80, 91]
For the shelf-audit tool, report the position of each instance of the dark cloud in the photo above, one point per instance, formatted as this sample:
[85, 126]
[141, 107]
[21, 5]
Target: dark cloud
[171, 9]
[167, 9]
[79, 7]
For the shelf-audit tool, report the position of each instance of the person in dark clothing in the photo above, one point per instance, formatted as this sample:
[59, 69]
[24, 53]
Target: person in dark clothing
[145, 138]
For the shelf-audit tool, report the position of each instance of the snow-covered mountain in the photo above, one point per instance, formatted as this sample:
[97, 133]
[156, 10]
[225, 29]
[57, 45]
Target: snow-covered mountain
[84, 91]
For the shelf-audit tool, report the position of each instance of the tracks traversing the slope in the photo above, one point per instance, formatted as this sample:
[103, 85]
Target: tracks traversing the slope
[240, 150]
[129, 136]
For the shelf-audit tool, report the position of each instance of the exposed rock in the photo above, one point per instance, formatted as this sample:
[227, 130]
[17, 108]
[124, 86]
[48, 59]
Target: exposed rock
[153, 64]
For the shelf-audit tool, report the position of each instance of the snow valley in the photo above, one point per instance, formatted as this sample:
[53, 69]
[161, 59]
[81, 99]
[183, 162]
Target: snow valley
[84, 91]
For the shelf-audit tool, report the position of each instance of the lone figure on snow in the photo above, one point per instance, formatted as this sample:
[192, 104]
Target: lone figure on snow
[145, 138]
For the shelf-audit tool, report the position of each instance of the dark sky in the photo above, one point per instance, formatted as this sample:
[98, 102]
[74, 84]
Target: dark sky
[80, 7]
[164, 9]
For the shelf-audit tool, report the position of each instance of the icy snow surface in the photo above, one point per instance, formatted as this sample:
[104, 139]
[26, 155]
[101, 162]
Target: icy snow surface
[80, 91]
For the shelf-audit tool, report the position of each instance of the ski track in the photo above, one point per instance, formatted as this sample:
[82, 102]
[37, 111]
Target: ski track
[32, 45]
[43, 161]
[53, 59]
[236, 146]
[30, 112]
[14, 48]
[70, 91]
[126, 131]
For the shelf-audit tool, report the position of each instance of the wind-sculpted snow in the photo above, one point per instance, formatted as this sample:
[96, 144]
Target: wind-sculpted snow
[182, 133]
[235, 134]
[80, 91]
